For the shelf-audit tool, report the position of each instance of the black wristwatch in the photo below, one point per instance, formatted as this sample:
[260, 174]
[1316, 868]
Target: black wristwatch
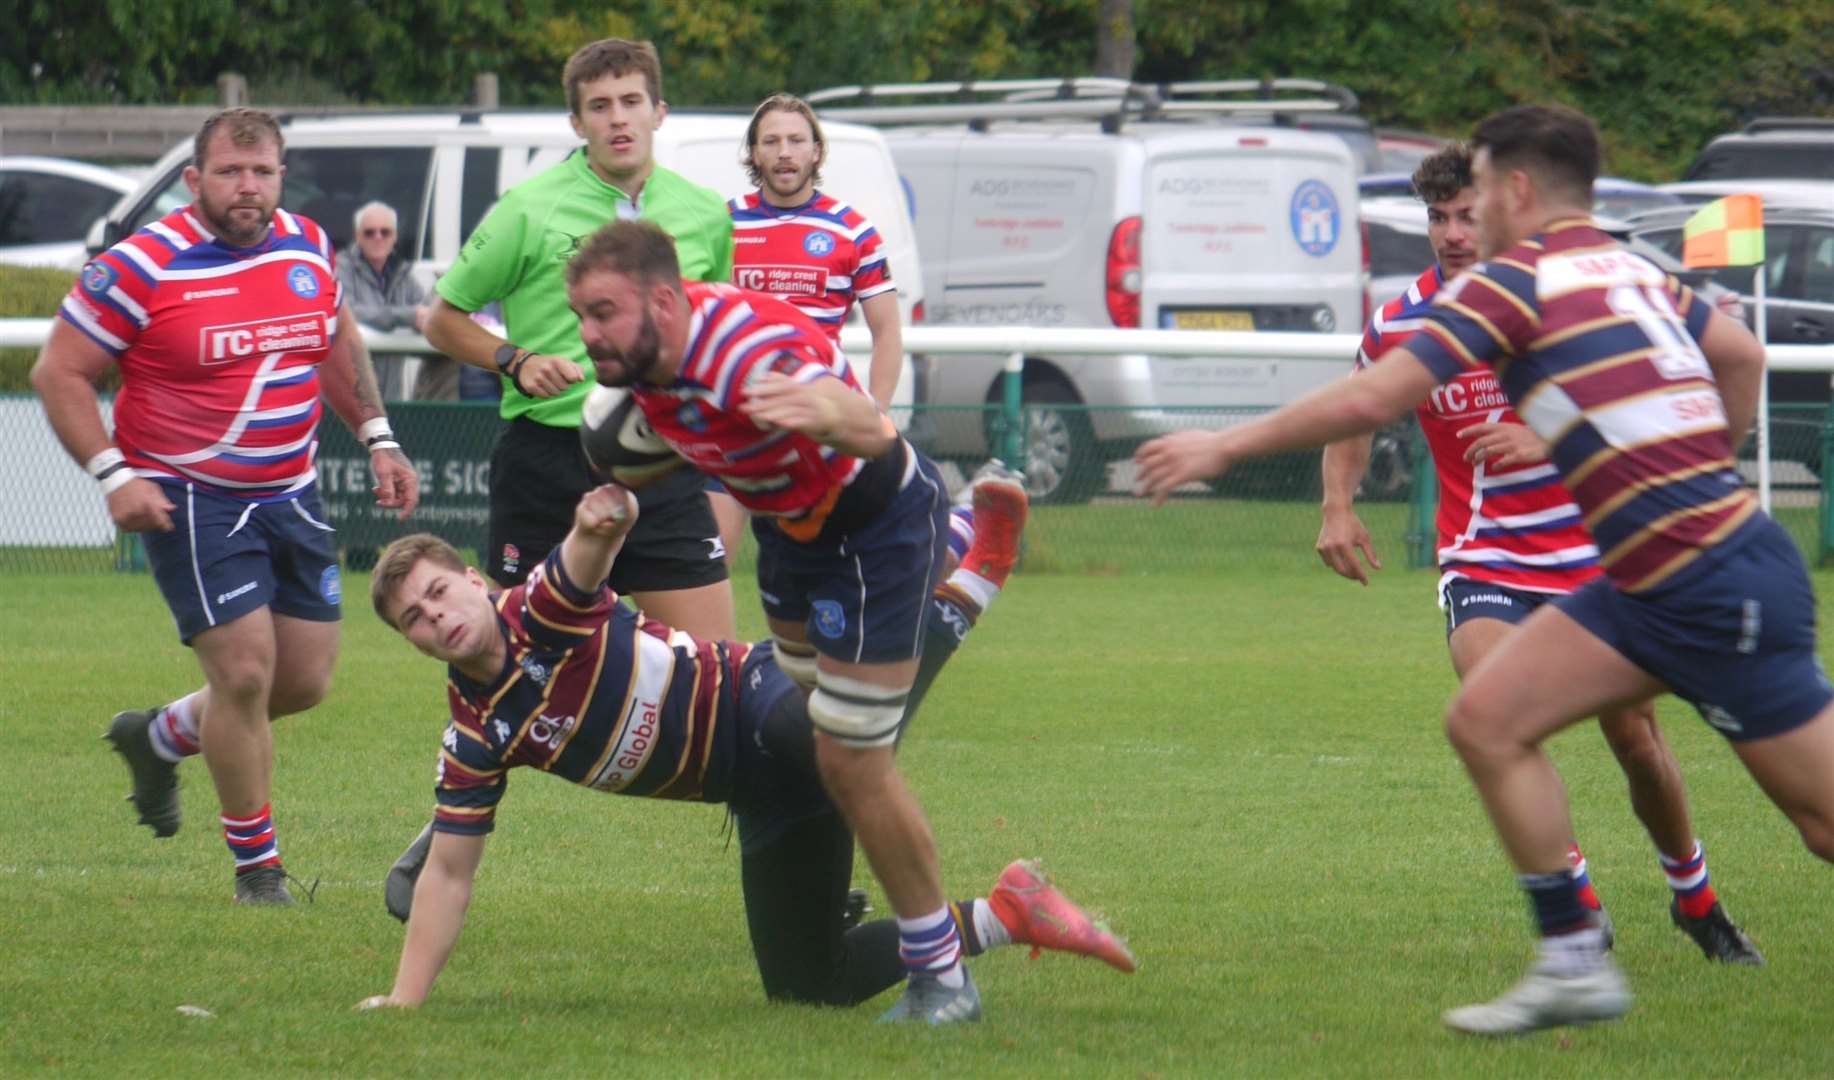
[506, 355]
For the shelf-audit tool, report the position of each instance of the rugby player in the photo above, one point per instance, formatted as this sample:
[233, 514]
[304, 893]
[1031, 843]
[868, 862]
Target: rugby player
[229, 326]
[1641, 392]
[556, 675]
[1510, 540]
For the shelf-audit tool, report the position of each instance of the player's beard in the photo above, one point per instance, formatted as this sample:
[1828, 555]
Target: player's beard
[633, 364]
[784, 187]
[224, 222]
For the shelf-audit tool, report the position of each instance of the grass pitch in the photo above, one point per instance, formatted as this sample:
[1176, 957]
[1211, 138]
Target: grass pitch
[1236, 758]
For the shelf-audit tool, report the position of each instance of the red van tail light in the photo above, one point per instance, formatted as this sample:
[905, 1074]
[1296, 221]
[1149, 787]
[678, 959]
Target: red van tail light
[1123, 293]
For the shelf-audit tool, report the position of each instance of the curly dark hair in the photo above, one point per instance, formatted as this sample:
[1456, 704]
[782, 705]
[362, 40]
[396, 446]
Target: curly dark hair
[1444, 174]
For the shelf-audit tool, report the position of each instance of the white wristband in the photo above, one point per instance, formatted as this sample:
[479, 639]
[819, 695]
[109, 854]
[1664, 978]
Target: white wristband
[374, 427]
[383, 444]
[99, 464]
[116, 480]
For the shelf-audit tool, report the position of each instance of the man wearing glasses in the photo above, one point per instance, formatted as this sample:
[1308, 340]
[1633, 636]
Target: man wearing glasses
[383, 293]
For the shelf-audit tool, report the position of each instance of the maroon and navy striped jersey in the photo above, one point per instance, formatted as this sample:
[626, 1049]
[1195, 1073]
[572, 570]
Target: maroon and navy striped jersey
[593, 693]
[821, 256]
[219, 349]
[1516, 526]
[1597, 349]
[734, 337]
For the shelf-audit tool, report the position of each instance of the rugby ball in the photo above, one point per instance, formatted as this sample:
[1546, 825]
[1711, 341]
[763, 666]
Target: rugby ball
[619, 443]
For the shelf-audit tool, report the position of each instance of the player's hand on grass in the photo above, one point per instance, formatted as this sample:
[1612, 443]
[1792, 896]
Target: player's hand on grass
[140, 506]
[1502, 445]
[397, 481]
[1341, 537]
[803, 407]
[383, 1001]
[1171, 461]
[541, 376]
[609, 510]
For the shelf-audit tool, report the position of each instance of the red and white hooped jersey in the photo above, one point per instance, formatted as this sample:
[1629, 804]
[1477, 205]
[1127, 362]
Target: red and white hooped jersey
[734, 337]
[219, 349]
[1515, 527]
[821, 256]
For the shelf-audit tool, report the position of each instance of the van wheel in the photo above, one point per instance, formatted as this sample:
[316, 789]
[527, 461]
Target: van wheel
[1388, 476]
[1061, 462]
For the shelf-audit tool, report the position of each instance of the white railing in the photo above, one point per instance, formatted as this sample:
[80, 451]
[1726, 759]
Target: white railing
[1041, 341]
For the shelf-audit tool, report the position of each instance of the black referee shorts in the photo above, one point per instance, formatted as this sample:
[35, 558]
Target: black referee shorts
[537, 475]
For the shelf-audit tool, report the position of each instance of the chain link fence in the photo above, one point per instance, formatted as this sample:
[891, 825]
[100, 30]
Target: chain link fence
[1264, 515]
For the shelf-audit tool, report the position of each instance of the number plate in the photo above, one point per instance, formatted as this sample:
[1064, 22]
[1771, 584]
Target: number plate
[1213, 320]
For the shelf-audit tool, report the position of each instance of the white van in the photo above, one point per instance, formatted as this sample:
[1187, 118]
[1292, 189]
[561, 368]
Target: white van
[1112, 216]
[442, 171]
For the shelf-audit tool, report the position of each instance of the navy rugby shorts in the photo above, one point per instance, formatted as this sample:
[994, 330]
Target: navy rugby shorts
[862, 595]
[226, 557]
[1465, 600]
[1734, 637]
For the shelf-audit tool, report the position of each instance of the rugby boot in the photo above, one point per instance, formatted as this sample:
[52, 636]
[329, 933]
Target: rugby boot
[1000, 509]
[265, 885]
[927, 1001]
[1606, 927]
[155, 793]
[1035, 913]
[398, 887]
[1717, 935]
[854, 908]
[1543, 1000]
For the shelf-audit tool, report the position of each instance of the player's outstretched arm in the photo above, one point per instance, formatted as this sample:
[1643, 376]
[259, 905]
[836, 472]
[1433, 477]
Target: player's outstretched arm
[347, 382]
[1349, 406]
[826, 410]
[65, 376]
[440, 898]
[601, 521]
[1342, 534]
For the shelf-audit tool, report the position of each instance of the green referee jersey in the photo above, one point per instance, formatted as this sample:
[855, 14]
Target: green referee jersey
[518, 255]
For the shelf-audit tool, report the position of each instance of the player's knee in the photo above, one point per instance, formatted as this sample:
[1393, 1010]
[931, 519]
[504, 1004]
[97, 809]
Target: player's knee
[856, 714]
[296, 692]
[1817, 834]
[797, 660]
[1473, 731]
[245, 678]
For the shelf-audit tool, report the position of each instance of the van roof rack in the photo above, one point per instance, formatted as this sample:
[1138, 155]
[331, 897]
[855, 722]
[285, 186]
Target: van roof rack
[1765, 124]
[1109, 100]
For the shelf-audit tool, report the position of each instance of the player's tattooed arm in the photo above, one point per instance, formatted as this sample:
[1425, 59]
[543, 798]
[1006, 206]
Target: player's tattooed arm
[349, 376]
[347, 382]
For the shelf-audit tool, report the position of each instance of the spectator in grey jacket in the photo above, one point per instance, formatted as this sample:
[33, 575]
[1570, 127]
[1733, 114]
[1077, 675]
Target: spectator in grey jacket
[382, 293]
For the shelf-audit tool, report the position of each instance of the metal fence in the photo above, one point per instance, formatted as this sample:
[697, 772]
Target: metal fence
[1264, 515]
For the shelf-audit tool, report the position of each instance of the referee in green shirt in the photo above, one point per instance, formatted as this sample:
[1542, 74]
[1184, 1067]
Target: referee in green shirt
[672, 565]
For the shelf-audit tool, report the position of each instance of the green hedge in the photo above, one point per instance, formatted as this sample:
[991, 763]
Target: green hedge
[28, 293]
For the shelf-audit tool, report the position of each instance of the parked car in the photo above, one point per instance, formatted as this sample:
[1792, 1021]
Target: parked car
[1798, 281]
[1084, 212]
[47, 206]
[1398, 247]
[1770, 148]
[1611, 196]
[442, 172]
[1402, 151]
[1773, 192]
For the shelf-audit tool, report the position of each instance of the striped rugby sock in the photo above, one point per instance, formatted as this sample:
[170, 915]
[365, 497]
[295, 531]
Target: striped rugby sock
[251, 840]
[1688, 877]
[961, 532]
[930, 945]
[1587, 894]
[174, 728]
